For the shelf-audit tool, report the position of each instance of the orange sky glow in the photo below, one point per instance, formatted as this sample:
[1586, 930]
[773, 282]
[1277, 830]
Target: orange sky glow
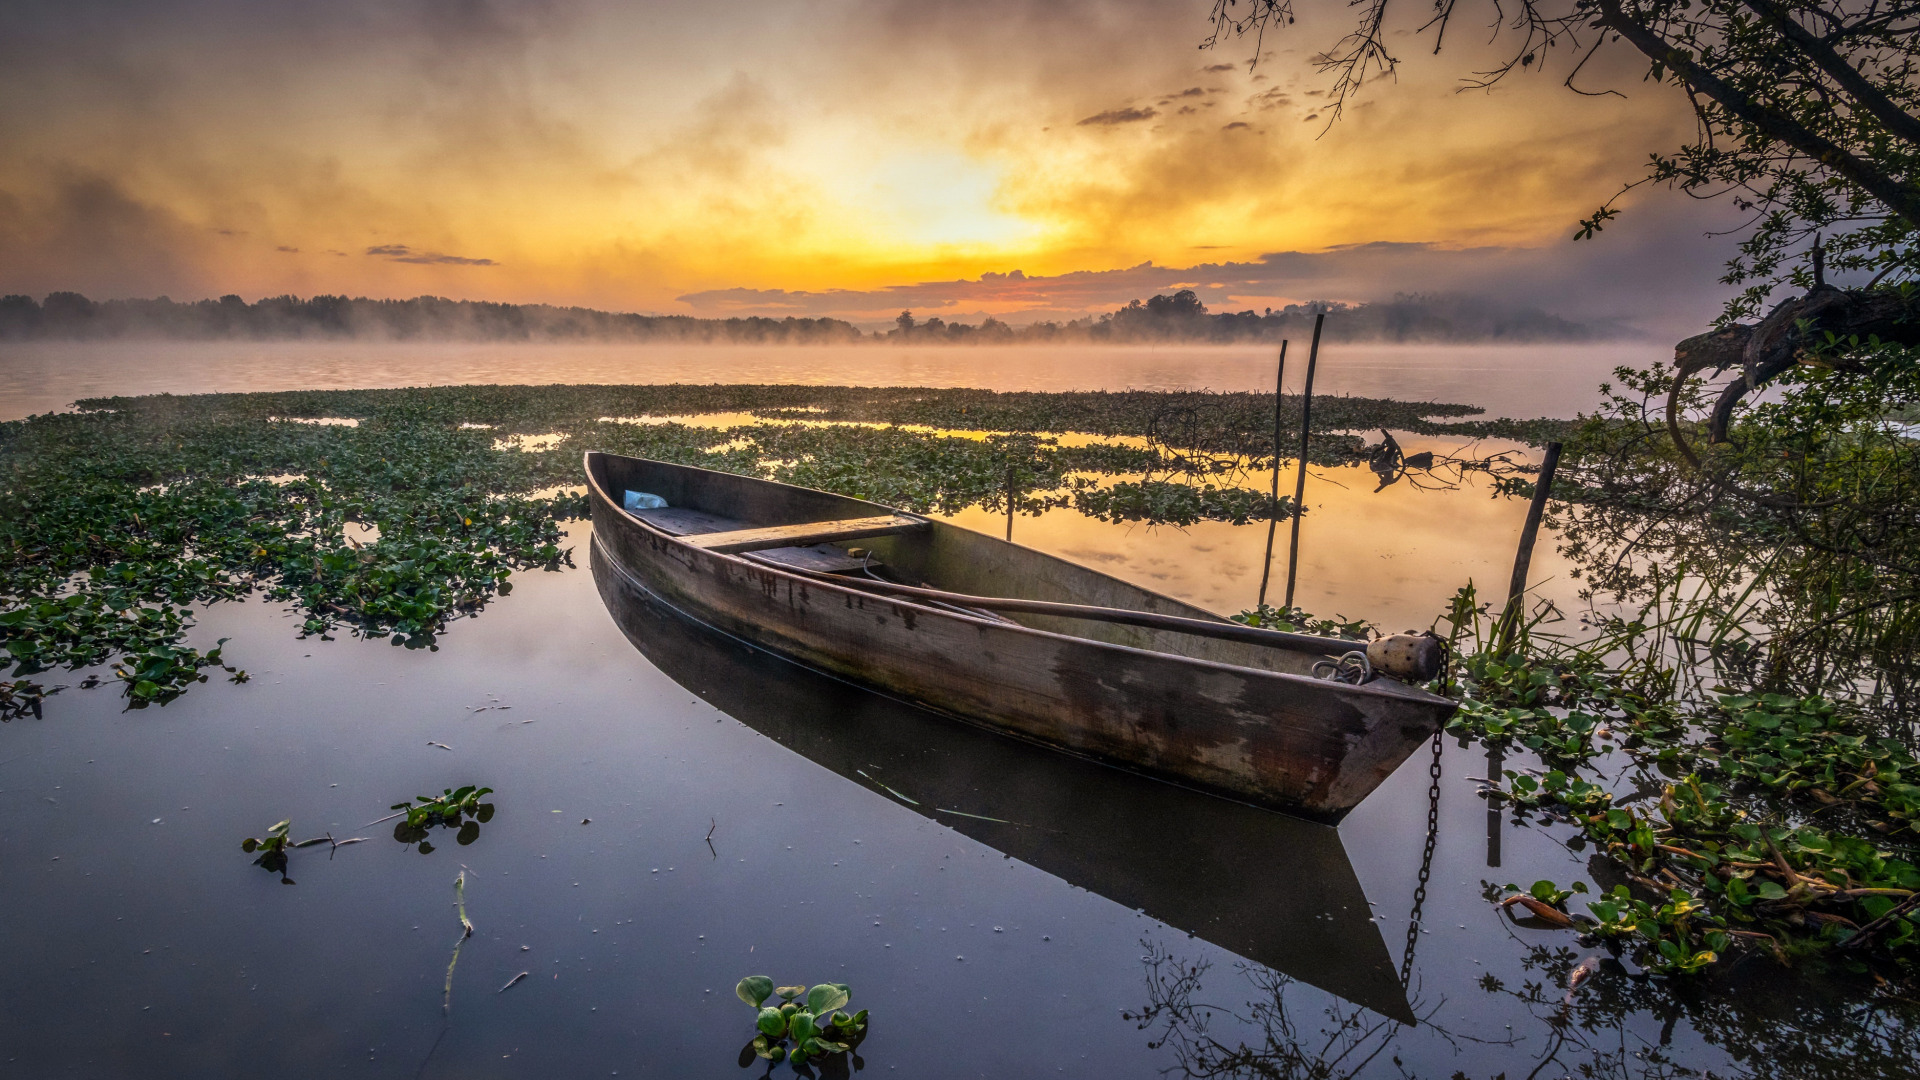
[805, 158]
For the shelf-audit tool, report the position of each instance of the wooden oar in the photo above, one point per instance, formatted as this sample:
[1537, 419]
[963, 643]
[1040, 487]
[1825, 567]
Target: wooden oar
[1401, 661]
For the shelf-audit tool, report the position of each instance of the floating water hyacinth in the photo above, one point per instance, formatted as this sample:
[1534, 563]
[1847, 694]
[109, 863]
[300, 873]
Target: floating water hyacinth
[794, 1030]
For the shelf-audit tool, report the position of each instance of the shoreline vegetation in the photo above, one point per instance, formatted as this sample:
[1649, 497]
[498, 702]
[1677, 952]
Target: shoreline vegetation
[1179, 318]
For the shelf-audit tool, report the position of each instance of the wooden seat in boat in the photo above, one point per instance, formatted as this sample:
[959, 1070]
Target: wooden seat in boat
[811, 552]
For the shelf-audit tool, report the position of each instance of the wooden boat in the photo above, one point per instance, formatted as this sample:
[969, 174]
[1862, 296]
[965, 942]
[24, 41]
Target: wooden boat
[1092, 665]
[1272, 888]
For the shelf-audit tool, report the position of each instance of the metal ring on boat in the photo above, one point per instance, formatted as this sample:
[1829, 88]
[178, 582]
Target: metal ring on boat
[1352, 668]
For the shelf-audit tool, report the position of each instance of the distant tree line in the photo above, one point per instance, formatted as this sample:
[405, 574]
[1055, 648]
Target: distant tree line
[66, 315]
[1180, 317]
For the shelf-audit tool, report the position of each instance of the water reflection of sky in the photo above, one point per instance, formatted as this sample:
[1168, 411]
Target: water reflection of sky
[1392, 557]
[141, 941]
[1507, 380]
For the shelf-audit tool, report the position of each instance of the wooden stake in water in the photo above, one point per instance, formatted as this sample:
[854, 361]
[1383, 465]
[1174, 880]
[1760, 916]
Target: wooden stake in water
[1273, 522]
[1306, 428]
[1523, 558]
[1010, 498]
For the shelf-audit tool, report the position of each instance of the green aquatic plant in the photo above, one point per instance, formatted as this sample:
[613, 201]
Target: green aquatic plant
[455, 808]
[810, 1019]
[272, 849]
[1297, 621]
[274, 845]
[1725, 821]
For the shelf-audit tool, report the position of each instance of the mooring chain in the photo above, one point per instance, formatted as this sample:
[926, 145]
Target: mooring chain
[1426, 862]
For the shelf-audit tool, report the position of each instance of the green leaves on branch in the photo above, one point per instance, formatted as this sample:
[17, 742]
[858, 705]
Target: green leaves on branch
[793, 1030]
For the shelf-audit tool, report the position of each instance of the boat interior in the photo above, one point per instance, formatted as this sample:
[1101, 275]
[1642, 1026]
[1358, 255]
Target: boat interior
[850, 540]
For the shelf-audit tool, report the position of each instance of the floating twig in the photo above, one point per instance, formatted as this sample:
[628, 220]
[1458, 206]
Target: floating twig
[888, 790]
[511, 983]
[466, 931]
[441, 745]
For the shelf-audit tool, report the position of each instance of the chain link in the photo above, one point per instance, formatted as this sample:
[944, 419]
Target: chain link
[1426, 862]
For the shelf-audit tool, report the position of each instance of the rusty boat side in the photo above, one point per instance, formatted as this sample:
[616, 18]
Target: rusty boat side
[1239, 720]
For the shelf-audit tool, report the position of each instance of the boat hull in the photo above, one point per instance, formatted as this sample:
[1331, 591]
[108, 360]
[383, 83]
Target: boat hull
[1274, 738]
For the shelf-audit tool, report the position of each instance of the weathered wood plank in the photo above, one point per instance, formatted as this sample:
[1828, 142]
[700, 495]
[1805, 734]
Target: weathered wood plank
[683, 521]
[812, 532]
[819, 558]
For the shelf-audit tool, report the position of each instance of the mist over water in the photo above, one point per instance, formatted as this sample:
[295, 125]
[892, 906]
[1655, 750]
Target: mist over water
[1506, 380]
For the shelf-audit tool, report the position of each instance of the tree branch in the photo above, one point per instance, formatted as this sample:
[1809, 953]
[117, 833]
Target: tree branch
[1870, 97]
[1901, 198]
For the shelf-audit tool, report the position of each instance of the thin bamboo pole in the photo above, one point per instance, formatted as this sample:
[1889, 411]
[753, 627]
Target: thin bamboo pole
[1306, 428]
[1273, 521]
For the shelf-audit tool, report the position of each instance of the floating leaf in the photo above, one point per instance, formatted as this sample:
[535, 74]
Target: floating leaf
[827, 997]
[754, 989]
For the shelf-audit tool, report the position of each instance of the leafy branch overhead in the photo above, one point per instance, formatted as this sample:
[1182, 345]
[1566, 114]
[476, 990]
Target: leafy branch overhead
[1806, 110]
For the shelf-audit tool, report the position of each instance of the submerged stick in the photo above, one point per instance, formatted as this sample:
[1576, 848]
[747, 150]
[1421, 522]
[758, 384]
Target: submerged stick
[1273, 521]
[1306, 429]
[1523, 557]
[460, 902]
[466, 931]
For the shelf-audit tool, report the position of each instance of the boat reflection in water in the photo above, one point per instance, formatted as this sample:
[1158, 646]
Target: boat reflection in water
[1276, 890]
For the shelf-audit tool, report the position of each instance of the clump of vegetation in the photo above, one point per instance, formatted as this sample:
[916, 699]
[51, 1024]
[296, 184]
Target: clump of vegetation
[454, 808]
[1294, 620]
[273, 848]
[807, 1024]
[1733, 820]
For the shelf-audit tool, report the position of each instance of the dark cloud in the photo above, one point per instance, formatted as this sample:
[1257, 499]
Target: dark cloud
[84, 231]
[1119, 116]
[401, 253]
[1220, 67]
[1236, 124]
[1191, 91]
[288, 250]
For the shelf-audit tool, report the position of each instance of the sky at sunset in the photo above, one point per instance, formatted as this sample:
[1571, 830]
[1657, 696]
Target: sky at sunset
[1028, 160]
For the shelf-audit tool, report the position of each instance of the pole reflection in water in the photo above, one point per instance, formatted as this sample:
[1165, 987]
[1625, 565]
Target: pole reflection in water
[1276, 890]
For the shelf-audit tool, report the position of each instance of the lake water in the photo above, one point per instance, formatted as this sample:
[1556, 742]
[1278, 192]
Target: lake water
[1508, 380]
[676, 811]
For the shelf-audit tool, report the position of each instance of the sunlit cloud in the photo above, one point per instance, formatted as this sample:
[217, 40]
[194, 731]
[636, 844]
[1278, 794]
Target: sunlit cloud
[643, 158]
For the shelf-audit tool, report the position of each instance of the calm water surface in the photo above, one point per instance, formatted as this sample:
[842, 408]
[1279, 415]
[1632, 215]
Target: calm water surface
[1000, 908]
[1507, 380]
[676, 811]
